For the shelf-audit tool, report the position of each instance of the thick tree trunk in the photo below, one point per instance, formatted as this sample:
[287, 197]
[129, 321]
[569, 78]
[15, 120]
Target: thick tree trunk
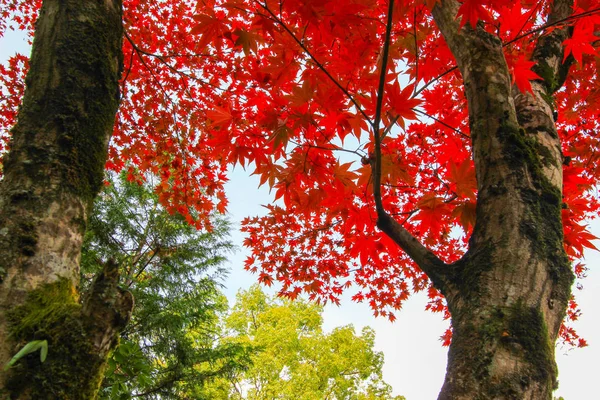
[51, 175]
[508, 295]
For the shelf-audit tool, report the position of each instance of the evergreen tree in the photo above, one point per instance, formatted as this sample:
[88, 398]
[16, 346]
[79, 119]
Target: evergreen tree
[174, 273]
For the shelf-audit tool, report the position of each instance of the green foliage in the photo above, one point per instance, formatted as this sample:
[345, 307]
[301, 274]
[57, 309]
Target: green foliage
[173, 270]
[181, 343]
[299, 360]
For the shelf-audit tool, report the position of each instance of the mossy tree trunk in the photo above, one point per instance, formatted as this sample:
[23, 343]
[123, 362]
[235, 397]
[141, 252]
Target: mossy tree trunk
[51, 175]
[508, 294]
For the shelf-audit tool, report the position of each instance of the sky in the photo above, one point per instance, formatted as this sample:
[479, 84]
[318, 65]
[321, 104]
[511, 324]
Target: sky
[415, 361]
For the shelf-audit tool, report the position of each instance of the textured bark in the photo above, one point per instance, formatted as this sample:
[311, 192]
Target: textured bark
[51, 175]
[508, 294]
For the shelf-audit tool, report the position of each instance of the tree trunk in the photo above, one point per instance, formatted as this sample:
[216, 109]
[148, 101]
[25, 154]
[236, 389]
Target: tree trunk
[509, 294]
[51, 175]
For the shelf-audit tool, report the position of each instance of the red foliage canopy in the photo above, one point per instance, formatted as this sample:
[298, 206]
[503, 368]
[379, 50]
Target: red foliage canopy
[289, 90]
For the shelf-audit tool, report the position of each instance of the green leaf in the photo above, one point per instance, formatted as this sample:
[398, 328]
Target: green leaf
[340, 364]
[174, 272]
[29, 348]
[44, 351]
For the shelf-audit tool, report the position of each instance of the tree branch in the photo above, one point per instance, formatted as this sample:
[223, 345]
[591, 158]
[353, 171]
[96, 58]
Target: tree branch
[314, 59]
[554, 21]
[425, 258]
[108, 308]
[429, 263]
[534, 110]
[549, 51]
[380, 94]
[439, 121]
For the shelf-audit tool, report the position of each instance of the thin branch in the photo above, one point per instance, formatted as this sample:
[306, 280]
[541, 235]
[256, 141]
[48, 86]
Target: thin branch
[528, 18]
[515, 39]
[315, 231]
[554, 23]
[139, 53]
[333, 148]
[124, 80]
[359, 152]
[380, 93]
[169, 66]
[314, 59]
[425, 258]
[389, 127]
[434, 80]
[141, 270]
[549, 50]
[439, 121]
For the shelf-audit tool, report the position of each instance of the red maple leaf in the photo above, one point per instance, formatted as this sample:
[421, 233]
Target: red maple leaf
[580, 42]
[472, 11]
[402, 102]
[521, 72]
[276, 87]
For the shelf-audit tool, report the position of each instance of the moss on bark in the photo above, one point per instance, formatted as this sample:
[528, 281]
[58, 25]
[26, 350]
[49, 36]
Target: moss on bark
[73, 369]
[502, 346]
[72, 95]
[527, 328]
[542, 221]
[520, 331]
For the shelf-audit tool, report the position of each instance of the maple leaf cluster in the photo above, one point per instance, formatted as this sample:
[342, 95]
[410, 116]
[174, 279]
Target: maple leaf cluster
[289, 91]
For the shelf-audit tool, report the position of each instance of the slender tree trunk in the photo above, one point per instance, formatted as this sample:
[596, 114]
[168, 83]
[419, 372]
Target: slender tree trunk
[51, 175]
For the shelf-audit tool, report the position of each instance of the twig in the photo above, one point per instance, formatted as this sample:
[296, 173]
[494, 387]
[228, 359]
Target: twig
[314, 59]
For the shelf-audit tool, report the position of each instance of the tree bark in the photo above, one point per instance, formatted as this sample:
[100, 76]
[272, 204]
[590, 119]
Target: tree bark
[508, 294]
[51, 176]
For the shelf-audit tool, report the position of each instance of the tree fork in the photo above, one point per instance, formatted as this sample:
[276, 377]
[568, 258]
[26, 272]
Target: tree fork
[513, 284]
[51, 175]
